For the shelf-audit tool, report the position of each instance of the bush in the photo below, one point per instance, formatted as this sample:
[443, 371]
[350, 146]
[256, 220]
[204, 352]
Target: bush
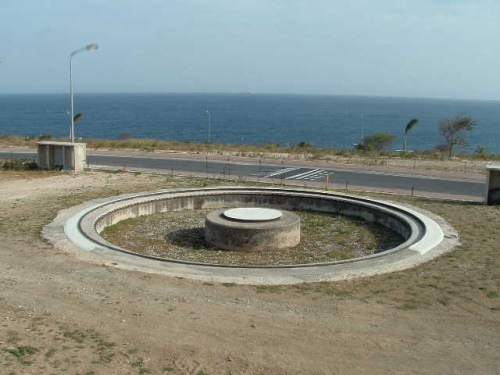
[20, 165]
[376, 142]
[125, 136]
[482, 152]
[305, 144]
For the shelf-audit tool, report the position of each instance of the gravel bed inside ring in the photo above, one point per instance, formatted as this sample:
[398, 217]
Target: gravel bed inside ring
[180, 235]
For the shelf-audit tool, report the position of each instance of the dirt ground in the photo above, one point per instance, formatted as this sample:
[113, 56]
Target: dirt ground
[59, 315]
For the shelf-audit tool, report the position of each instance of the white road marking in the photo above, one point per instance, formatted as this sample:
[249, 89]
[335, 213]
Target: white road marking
[282, 171]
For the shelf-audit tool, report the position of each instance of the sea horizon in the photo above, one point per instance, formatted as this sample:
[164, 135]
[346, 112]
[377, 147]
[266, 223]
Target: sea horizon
[325, 120]
[250, 93]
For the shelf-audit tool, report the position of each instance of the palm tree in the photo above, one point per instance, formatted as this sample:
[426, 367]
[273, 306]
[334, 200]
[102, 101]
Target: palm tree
[77, 117]
[409, 126]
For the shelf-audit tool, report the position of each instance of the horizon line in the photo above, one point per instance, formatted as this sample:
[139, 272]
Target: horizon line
[249, 94]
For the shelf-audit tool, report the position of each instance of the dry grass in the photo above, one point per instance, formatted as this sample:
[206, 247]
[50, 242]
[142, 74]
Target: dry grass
[466, 278]
[180, 235]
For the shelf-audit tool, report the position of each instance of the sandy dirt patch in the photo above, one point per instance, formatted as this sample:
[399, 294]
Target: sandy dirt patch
[61, 315]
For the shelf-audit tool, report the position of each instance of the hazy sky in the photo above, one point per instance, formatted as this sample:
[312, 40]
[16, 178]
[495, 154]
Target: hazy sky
[417, 48]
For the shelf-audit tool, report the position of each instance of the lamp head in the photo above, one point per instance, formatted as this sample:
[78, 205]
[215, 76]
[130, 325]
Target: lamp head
[92, 47]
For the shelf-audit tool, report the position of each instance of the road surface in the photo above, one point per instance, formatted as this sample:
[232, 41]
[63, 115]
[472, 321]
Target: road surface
[370, 179]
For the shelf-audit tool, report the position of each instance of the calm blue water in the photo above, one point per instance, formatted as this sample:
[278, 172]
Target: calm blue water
[326, 121]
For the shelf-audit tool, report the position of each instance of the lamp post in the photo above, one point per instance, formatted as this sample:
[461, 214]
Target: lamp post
[209, 124]
[89, 47]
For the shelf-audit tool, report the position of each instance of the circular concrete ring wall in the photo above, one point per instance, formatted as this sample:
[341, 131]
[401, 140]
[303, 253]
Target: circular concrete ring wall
[79, 227]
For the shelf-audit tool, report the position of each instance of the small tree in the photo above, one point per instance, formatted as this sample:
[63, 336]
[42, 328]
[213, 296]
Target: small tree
[453, 129]
[409, 126]
[376, 142]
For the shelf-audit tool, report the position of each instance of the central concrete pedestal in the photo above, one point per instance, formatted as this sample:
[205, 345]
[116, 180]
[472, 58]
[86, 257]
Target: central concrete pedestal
[252, 229]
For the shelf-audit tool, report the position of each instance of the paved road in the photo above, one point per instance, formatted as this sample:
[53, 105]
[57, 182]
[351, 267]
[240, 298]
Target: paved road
[380, 180]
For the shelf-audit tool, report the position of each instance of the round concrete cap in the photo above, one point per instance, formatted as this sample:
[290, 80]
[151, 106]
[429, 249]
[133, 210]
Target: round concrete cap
[252, 214]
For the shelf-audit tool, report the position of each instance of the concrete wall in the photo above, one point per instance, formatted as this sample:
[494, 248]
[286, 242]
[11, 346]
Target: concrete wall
[388, 218]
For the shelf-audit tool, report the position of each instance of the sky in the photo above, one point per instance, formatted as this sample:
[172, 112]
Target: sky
[408, 48]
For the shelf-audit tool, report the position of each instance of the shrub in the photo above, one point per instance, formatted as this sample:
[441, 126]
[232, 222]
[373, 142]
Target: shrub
[305, 144]
[376, 142]
[20, 165]
[125, 135]
[45, 137]
[482, 152]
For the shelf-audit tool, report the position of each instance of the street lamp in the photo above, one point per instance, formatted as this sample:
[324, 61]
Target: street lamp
[90, 47]
[209, 124]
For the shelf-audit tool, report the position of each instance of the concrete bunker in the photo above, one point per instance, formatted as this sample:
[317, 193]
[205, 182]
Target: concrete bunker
[493, 185]
[62, 155]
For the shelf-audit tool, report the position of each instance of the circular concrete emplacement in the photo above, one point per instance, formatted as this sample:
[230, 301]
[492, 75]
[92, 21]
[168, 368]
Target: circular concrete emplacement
[77, 231]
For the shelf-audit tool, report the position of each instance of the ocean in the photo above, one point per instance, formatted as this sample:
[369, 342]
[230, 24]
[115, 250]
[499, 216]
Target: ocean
[325, 121]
